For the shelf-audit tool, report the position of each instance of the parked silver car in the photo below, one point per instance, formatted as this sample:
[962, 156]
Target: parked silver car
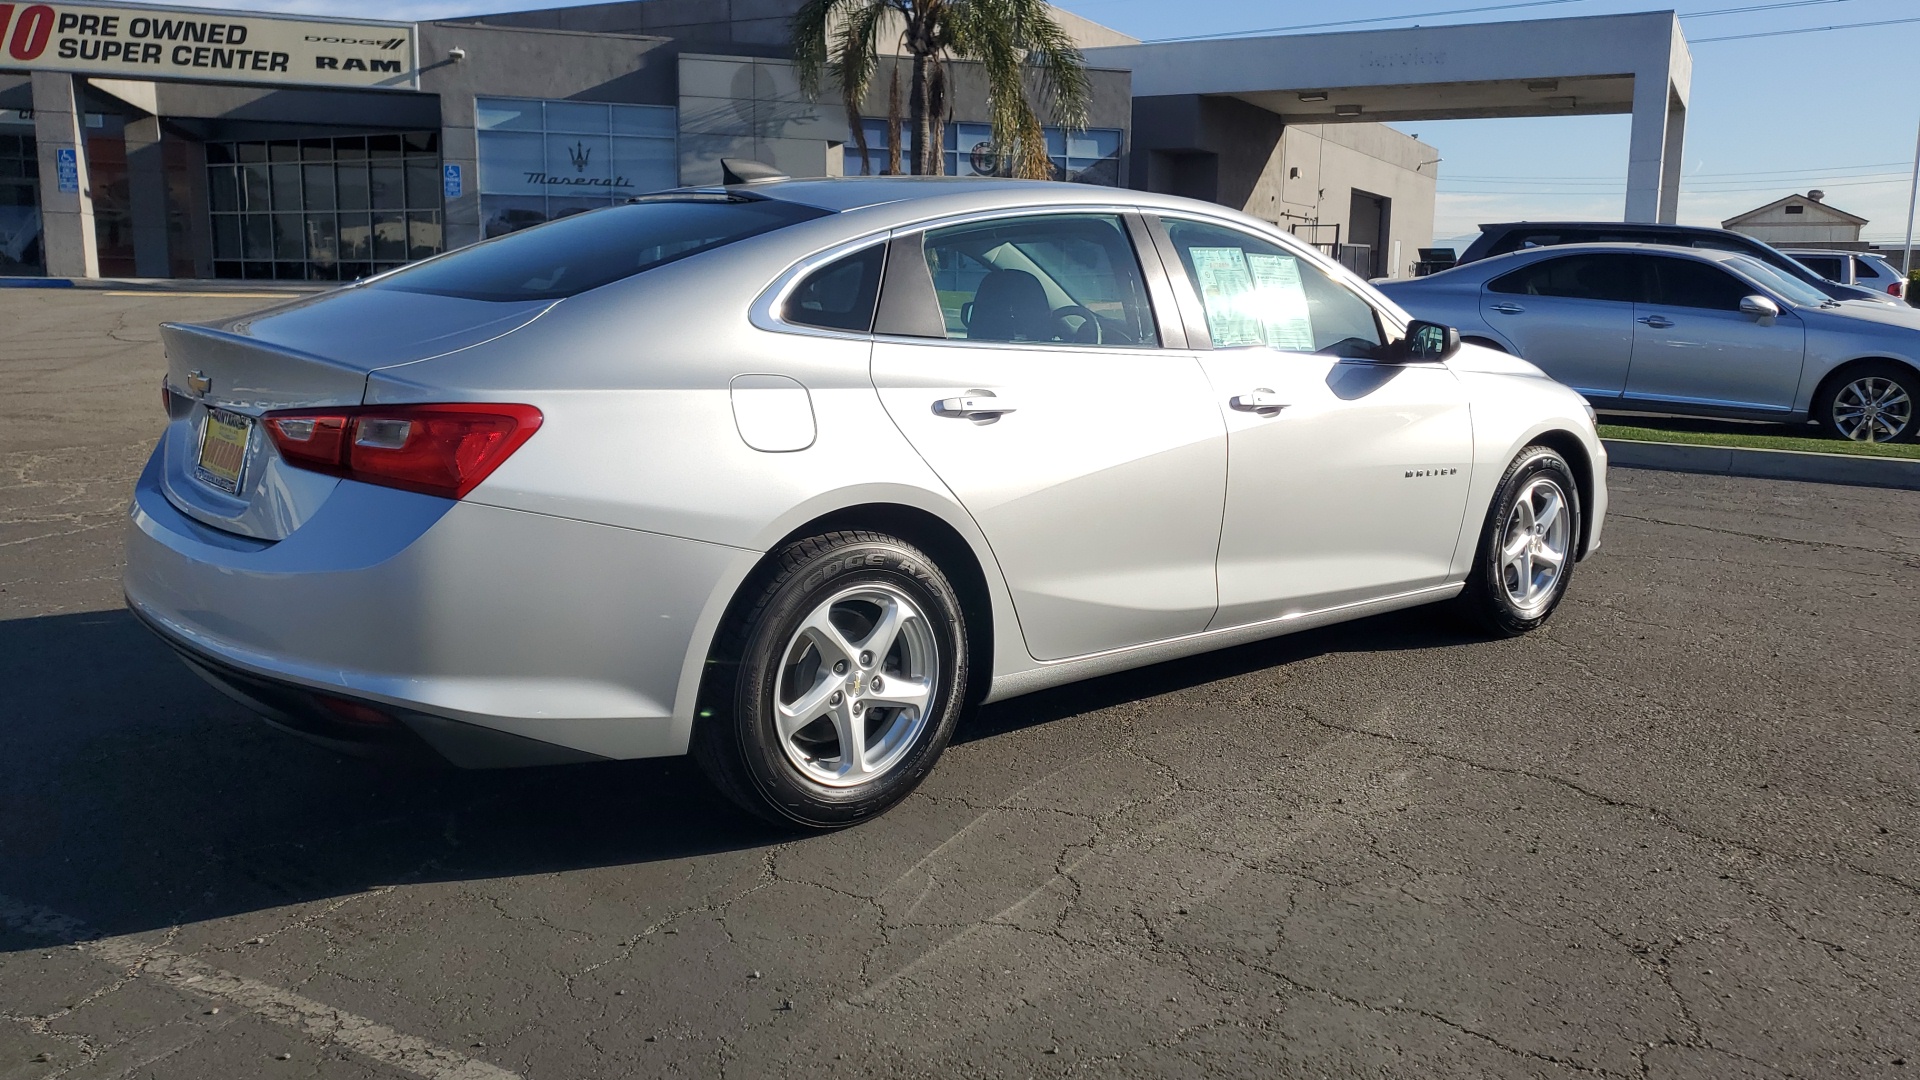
[1865, 269]
[791, 473]
[1652, 328]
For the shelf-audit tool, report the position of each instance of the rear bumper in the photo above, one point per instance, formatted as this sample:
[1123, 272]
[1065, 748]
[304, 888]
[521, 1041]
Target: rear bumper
[493, 637]
[404, 736]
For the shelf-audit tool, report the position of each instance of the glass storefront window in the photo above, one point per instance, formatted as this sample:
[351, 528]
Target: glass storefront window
[541, 160]
[19, 198]
[1084, 157]
[299, 209]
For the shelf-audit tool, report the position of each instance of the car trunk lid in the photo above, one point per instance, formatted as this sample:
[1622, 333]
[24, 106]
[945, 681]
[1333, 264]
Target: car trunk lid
[220, 467]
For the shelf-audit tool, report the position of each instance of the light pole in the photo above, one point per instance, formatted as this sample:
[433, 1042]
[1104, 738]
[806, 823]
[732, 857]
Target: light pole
[1913, 195]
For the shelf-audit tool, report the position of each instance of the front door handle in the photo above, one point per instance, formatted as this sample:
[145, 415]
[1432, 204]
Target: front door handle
[973, 405]
[1508, 308]
[1262, 400]
[1658, 322]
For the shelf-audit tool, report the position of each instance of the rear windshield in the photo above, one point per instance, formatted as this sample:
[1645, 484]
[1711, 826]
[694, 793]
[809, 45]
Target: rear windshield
[586, 251]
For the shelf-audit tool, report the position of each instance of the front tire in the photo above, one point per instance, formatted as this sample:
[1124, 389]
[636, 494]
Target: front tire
[1871, 403]
[1527, 546]
[837, 683]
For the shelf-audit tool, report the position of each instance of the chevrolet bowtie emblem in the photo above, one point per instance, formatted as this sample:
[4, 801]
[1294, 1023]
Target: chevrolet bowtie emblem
[198, 382]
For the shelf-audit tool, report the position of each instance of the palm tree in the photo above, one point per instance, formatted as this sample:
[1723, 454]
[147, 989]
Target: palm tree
[1009, 39]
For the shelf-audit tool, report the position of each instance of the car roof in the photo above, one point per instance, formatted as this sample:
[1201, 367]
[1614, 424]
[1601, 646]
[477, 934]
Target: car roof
[1655, 226]
[958, 194]
[1627, 248]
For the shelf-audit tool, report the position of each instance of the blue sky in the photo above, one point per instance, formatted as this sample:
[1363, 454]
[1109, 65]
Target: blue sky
[1769, 116]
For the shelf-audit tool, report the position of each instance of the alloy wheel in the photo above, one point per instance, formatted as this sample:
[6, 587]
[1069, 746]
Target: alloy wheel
[1872, 409]
[1535, 545]
[856, 684]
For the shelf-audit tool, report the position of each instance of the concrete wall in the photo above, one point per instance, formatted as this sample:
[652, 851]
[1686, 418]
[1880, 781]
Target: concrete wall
[1226, 151]
[1814, 224]
[753, 108]
[740, 27]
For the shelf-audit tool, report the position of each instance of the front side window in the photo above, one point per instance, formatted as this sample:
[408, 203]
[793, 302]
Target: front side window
[839, 295]
[1257, 293]
[1684, 283]
[1613, 278]
[1068, 279]
[1784, 285]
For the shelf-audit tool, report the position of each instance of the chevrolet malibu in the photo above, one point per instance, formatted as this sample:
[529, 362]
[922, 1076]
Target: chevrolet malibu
[789, 474]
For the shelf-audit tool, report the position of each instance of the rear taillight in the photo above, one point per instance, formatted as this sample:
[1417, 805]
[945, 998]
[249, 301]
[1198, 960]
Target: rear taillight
[1898, 288]
[444, 450]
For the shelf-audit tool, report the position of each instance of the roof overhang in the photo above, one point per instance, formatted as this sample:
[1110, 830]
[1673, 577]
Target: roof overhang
[1538, 67]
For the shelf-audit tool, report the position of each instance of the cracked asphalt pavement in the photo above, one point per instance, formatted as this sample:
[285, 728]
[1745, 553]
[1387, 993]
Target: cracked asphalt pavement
[1674, 835]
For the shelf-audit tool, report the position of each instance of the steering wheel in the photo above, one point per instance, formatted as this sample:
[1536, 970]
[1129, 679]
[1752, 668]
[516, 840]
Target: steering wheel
[1078, 333]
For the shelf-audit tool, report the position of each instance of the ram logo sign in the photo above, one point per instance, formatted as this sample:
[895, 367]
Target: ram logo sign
[173, 43]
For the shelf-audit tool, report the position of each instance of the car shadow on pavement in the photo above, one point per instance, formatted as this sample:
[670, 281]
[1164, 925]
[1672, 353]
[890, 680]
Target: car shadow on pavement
[1417, 628]
[135, 797]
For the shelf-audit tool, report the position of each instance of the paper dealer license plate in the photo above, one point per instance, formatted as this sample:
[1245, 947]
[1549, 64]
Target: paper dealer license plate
[223, 448]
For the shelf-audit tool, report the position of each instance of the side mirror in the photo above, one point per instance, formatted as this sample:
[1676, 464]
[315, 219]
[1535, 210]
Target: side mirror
[1759, 307]
[1426, 343]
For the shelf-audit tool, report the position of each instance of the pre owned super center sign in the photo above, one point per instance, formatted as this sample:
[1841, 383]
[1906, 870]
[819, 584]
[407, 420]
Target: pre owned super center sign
[169, 43]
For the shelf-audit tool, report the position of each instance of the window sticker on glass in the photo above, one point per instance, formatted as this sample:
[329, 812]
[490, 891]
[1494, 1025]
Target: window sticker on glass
[1281, 301]
[1226, 287]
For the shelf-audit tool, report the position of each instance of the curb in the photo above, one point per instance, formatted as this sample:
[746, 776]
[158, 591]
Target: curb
[1767, 464]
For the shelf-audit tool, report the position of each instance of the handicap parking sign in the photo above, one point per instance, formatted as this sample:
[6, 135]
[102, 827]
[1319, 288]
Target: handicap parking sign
[450, 181]
[67, 164]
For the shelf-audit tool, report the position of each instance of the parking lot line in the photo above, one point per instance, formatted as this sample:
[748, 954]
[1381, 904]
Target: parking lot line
[315, 1019]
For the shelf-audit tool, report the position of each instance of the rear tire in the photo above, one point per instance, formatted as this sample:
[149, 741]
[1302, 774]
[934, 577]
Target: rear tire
[1873, 402]
[1527, 546]
[837, 681]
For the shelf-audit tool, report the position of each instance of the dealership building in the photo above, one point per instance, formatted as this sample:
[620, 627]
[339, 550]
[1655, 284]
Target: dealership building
[140, 141]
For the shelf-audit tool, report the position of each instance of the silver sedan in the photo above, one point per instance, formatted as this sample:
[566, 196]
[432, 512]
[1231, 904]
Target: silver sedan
[789, 474]
[1650, 328]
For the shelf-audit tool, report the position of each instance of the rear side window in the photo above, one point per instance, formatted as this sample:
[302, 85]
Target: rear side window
[585, 251]
[839, 295]
[1827, 266]
[1614, 278]
[1866, 268]
[1520, 238]
[1684, 283]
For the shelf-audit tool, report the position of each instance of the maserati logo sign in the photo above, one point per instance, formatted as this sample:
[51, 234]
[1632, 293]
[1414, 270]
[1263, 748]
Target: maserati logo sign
[580, 156]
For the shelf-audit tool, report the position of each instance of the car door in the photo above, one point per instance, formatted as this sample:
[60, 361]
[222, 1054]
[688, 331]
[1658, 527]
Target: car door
[1021, 357]
[1693, 345]
[1346, 476]
[1572, 315]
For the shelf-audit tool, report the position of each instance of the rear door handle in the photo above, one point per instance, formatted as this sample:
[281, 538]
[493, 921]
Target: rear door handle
[1508, 308]
[1261, 400]
[1658, 322]
[975, 405]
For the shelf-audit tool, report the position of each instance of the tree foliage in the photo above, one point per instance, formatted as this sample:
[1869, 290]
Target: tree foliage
[1024, 54]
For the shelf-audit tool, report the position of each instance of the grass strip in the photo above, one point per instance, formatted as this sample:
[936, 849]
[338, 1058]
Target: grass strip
[1762, 442]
